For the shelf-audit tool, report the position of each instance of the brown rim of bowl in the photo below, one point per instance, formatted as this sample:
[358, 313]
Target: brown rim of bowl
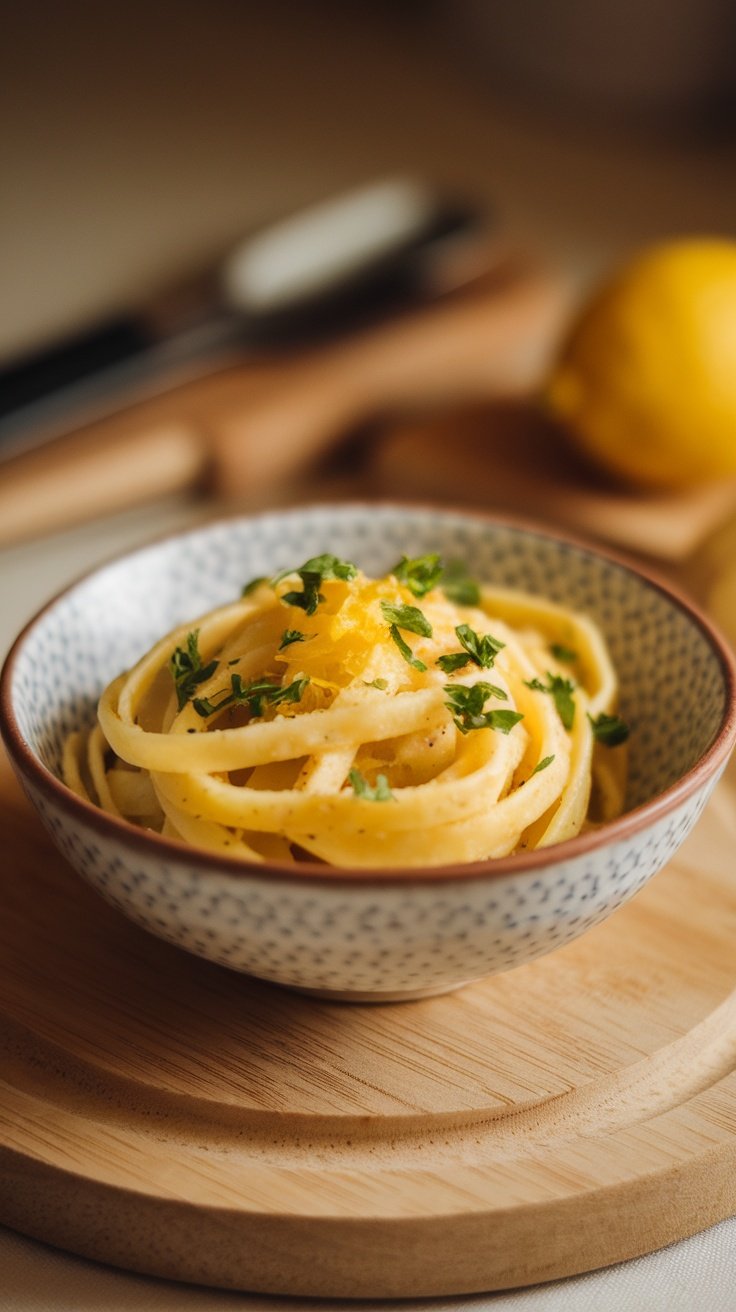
[531, 862]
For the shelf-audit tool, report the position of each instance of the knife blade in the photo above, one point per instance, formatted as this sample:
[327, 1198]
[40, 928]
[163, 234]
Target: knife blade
[348, 260]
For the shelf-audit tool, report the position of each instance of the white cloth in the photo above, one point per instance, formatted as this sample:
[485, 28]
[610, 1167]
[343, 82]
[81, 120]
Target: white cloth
[697, 1275]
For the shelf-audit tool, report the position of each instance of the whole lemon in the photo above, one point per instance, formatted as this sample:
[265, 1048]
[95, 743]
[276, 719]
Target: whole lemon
[646, 381]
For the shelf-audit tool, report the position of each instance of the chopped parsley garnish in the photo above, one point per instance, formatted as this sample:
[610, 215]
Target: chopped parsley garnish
[330, 567]
[254, 583]
[312, 574]
[406, 650]
[481, 650]
[364, 790]
[289, 636]
[467, 706]
[458, 586]
[609, 729]
[381, 684]
[411, 619]
[561, 690]
[419, 574]
[310, 598]
[256, 695]
[561, 653]
[407, 617]
[187, 669]
[542, 765]
[455, 661]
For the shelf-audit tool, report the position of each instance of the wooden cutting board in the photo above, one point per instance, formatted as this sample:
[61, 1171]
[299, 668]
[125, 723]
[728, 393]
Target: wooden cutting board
[170, 1117]
[507, 457]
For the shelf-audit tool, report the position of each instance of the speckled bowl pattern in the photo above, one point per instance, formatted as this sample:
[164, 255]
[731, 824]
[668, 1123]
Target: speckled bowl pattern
[373, 933]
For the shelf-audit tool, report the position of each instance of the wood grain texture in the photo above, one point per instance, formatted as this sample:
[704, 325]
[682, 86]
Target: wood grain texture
[171, 1117]
[507, 457]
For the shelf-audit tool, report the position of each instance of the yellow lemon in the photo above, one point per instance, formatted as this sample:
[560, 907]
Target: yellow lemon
[646, 382]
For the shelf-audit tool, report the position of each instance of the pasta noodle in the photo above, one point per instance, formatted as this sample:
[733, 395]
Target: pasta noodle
[363, 722]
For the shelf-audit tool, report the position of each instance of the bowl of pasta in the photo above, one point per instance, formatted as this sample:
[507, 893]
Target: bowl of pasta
[368, 751]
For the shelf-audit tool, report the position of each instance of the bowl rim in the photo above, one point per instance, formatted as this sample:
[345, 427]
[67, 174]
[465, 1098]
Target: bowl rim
[534, 861]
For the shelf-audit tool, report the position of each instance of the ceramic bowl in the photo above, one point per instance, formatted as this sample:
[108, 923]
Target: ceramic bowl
[368, 934]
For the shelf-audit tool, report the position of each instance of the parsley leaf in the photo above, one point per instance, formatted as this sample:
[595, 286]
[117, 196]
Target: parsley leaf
[609, 729]
[330, 567]
[420, 574]
[362, 789]
[187, 669]
[289, 636]
[411, 619]
[458, 586]
[561, 653]
[542, 765]
[311, 596]
[406, 650]
[455, 661]
[407, 617]
[312, 573]
[561, 691]
[254, 695]
[467, 706]
[482, 650]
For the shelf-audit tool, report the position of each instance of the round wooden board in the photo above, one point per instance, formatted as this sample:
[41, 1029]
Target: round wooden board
[172, 1117]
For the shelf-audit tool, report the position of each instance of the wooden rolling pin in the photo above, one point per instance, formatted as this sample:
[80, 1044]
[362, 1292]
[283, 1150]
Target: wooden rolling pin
[250, 426]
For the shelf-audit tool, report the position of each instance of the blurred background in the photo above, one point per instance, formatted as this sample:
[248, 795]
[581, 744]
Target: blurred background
[140, 139]
[140, 143]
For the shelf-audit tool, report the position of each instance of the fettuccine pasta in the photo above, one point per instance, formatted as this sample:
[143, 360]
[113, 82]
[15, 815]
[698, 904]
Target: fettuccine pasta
[412, 720]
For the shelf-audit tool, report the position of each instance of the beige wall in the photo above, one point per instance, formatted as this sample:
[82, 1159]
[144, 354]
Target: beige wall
[137, 138]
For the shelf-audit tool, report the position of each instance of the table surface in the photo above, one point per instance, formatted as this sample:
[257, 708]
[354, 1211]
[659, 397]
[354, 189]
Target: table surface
[264, 125]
